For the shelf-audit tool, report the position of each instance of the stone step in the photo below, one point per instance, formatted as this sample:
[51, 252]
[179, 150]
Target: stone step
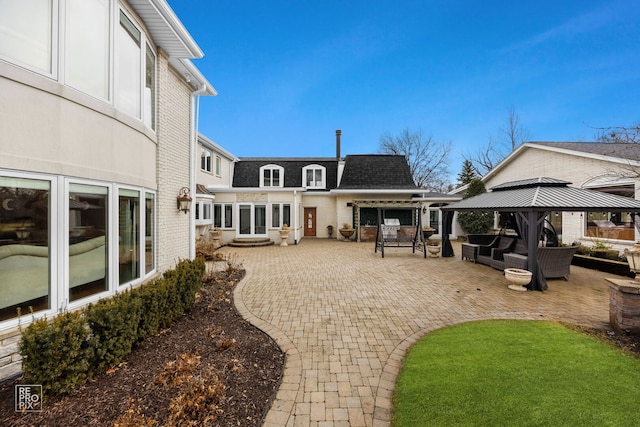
[250, 242]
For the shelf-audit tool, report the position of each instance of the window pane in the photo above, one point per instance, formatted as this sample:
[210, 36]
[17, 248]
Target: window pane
[260, 219]
[218, 165]
[88, 261]
[610, 225]
[25, 32]
[197, 211]
[318, 180]
[217, 215]
[266, 177]
[309, 177]
[228, 216]
[275, 215]
[128, 68]
[87, 46]
[150, 89]
[276, 178]
[128, 235]
[24, 246]
[206, 212]
[286, 214]
[149, 231]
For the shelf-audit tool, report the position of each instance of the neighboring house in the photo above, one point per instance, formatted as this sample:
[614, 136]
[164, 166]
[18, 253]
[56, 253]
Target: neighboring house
[610, 168]
[97, 111]
[311, 194]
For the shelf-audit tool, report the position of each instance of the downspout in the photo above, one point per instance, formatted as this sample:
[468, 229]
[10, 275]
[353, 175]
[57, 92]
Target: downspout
[295, 217]
[195, 115]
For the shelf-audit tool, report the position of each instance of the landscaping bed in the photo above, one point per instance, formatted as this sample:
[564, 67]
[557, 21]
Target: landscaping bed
[211, 358]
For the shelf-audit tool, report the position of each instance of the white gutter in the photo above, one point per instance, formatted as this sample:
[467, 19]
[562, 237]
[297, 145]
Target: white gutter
[295, 217]
[195, 116]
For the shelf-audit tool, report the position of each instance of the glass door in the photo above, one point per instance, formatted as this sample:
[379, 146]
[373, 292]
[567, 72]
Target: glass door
[252, 220]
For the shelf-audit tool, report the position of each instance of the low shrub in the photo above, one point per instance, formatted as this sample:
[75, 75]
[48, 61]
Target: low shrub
[63, 354]
[57, 354]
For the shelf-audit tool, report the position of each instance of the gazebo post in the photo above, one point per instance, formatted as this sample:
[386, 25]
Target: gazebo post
[532, 248]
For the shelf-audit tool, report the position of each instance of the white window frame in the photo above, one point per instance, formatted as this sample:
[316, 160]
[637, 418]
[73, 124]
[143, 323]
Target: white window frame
[323, 171]
[279, 221]
[58, 64]
[59, 243]
[205, 159]
[223, 215]
[201, 212]
[272, 168]
[218, 165]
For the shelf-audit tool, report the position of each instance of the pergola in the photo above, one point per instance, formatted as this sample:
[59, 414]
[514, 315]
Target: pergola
[531, 200]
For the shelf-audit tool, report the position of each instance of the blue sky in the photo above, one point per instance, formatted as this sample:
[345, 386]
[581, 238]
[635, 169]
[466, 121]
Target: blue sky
[289, 73]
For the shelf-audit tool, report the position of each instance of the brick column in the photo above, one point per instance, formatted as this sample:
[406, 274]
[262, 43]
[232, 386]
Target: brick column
[624, 305]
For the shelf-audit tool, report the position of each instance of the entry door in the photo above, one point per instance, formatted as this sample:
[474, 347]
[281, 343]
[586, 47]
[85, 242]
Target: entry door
[310, 222]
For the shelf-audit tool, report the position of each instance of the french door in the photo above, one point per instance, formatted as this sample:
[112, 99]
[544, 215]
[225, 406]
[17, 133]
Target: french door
[253, 220]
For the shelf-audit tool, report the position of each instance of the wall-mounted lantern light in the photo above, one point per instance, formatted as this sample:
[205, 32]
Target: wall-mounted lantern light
[633, 258]
[184, 200]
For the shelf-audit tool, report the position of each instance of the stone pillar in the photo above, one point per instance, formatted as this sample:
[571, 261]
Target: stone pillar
[624, 306]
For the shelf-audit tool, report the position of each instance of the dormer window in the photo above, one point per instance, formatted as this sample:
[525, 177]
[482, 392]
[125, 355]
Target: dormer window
[314, 176]
[271, 176]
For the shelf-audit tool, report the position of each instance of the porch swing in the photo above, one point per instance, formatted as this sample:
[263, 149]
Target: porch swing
[388, 232]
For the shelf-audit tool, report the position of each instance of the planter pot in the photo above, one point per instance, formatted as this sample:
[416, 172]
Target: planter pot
[347, 232]
[284, 235]
[518, 278]
[434, 250]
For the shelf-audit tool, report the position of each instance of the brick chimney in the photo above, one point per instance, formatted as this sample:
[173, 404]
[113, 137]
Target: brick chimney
[338, 135]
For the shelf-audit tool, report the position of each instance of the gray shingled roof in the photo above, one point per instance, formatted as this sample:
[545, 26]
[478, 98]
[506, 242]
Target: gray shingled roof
[376, 172]
[247, 171]
[619, 150]
[545, 194]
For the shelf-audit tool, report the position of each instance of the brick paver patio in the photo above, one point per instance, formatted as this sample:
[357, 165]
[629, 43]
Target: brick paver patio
[345, 318]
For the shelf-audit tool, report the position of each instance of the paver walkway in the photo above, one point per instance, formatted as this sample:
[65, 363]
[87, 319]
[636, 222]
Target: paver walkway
[345, 318]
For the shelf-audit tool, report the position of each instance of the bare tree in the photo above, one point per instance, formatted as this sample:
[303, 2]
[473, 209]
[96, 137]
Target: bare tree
[510, 136]
[619, 134]
[427, 158]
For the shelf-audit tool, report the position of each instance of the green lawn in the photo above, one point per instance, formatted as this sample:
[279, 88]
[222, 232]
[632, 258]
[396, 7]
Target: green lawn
[516, 373]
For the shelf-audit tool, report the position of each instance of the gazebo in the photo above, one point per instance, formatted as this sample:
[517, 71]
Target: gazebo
[531, 200]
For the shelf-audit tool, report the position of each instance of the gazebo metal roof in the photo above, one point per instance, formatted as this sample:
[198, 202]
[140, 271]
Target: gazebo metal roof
[544, 195]
[531, 200]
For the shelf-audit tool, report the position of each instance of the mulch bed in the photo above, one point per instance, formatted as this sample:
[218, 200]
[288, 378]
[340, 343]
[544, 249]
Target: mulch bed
[238, 364]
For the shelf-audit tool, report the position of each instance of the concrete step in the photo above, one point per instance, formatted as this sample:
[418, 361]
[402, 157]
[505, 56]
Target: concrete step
[250, 242]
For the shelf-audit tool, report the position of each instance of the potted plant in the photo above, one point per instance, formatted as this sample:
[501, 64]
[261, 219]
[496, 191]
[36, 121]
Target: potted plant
[284, 234]
[347, 231]
[433, 247]
[215, 233]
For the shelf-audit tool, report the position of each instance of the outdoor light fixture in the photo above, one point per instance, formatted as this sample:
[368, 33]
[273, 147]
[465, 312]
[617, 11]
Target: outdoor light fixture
[633, 258]
[184, 200]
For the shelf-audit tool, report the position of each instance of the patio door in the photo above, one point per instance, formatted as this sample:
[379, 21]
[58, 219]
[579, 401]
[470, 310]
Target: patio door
[252, 220]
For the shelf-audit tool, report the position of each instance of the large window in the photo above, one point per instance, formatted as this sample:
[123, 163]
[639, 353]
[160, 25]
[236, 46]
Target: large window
[203, 212]
[128, 67]
[25, 260]
[26, 35]
[112, 61]
[223, 215]
[128, 235]
[271, 176]
[88, 260]
[610, 225]
[280, 214]
[87, 53]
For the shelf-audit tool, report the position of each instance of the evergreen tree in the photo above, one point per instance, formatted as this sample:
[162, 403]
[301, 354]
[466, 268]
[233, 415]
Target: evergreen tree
[475, 222]
[467, 174]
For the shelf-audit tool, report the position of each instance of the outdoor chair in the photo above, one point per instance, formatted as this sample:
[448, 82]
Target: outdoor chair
[556, 262]
[493, 254]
